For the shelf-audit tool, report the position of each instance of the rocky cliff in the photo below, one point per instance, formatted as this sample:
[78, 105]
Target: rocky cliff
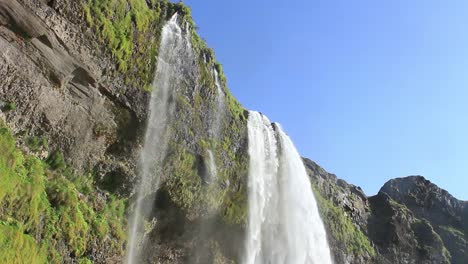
[410, 220]
[76, 80]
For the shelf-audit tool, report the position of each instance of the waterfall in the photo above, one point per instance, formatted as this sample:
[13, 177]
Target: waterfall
[220, 102]
[216, 124]
[284, 225]
[173, 66]
[212, 170]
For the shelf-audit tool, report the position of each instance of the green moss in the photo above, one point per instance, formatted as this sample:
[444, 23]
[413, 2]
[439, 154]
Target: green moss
[36, 143]
[64, 198]
[131, 30]
[11, 106]
[9, 160]
[236, 208]
[88, 15]
[235, 108]
[218, 67]
[101, 226]
[188, 192]
[235, 202]
[400, 207]
[183, 101]
[38, 203]
[114, 213]
[429, 240]
[84, 261]
[114, 22]
[185, 184]
[342, 228]
[454, 231]
[56, 161]
[17, 247]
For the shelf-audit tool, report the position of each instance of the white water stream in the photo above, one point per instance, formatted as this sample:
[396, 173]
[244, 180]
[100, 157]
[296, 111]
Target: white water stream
[284, 225]
[216, 125]
[173, 63]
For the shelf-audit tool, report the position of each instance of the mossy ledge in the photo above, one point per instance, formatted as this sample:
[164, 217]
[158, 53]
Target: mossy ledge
[48, 215]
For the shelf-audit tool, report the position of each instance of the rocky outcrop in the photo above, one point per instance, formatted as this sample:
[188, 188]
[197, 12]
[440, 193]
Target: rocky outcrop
[410, 220]
[345, 210]
[437, 208]
[52, 71]
[428, 201]
[402, 238]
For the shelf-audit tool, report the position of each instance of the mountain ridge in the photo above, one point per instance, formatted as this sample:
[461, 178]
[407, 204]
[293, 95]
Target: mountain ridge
[399, 232]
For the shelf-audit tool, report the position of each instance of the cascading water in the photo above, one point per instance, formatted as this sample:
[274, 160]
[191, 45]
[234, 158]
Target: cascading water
[216, 125]
[173, 65]
[212, 170]
[284, 225]
[220, 102]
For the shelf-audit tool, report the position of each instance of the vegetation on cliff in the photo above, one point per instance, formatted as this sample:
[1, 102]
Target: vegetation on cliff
[183, 174]
[188, 154]
[47, 214]
[342, 229]
[131, 30]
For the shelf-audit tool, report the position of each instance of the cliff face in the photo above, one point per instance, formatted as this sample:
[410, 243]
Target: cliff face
[410, 220]
[74, 92]
[52, 70]
[76, 83]
[440, 211]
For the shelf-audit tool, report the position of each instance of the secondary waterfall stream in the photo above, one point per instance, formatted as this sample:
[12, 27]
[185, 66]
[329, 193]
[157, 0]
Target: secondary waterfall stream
[220, 102]
[216, 124]
[284, 225]
[173, 64]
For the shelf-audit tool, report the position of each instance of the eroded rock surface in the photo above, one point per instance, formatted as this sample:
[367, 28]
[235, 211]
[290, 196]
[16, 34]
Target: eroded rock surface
[51, 71]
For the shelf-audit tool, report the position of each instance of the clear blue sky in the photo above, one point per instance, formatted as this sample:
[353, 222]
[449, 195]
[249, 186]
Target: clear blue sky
[371, 90]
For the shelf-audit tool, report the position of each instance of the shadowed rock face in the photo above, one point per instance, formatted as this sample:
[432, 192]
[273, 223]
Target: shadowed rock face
[410, 220]
[400, 237]
[426, 200]
[62, 67]
[437, 207]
